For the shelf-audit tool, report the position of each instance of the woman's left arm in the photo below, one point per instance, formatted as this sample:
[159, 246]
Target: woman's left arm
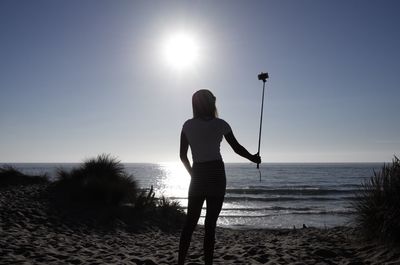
[183, 153]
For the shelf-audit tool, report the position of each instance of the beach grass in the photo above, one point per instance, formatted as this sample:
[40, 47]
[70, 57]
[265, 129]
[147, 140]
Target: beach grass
[162, 212]
[98, 182]
[101, 190]
[10, 176]
[377, 204]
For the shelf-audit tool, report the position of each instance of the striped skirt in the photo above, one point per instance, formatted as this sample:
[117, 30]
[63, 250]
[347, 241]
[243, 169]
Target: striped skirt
[208, 179]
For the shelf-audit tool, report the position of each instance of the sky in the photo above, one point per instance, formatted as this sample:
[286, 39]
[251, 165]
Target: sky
[82, 78]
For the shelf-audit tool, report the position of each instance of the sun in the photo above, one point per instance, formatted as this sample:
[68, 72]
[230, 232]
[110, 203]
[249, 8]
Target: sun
[181, 51]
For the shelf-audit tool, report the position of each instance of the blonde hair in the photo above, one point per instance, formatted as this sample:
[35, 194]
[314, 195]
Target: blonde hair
[203, 104]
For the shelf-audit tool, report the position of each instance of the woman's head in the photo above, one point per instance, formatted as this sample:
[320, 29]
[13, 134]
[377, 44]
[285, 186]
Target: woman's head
[203, 104]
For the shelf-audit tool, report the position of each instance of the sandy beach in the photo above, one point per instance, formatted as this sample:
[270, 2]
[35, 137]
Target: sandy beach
[30, 235]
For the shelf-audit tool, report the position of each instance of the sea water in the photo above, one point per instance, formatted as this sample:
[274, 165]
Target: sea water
[288, 195]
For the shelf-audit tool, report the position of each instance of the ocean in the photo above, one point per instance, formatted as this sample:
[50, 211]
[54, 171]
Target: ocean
[288, 195]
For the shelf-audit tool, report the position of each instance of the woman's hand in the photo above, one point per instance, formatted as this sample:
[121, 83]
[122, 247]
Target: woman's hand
[256, 158]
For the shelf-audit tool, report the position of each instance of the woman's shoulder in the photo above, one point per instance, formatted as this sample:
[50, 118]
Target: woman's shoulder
[221, 121]
[222, 126]
[188, 123]
[196, 120]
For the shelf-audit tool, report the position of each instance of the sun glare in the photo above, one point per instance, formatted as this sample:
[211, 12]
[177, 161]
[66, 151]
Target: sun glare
[181, 51]
[176, 180]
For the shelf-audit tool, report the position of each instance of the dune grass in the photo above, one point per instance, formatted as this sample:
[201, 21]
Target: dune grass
[98, 182]
[162, 212]
[10, 176]
[377, 204]
[101, 189]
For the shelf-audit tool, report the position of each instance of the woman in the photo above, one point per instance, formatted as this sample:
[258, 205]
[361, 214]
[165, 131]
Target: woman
[204, 134]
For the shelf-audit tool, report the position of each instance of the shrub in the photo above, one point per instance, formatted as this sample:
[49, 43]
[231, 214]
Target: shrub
[146, 200]
[100, 190]
[377, 204]
[162, 212]
[10, 176]
[100, 182]
[170, 214]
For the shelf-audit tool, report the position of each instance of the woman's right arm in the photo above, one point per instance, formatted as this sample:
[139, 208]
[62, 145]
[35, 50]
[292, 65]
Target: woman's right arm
[240, 150]
[183, 153]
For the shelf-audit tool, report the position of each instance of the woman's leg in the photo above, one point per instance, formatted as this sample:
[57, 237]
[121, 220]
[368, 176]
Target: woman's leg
[214, 205]
[195, 203]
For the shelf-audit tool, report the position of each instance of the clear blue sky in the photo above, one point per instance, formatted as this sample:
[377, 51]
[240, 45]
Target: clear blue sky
[80, 78]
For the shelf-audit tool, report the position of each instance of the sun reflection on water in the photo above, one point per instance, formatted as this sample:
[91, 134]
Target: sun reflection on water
[175, 181]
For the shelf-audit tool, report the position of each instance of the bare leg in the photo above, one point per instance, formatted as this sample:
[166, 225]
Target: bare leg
[195, 203]
[214, 205]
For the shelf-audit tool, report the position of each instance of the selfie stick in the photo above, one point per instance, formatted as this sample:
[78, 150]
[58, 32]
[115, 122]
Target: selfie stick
[263, 77]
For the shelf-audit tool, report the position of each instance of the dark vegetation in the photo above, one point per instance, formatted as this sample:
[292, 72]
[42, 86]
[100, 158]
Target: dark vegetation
[161, 212]
[101, 194]
[100, 182]
[9, 176]
[377, 204]
[102, 191]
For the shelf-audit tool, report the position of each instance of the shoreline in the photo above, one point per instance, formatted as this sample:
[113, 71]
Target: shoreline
[29, 236]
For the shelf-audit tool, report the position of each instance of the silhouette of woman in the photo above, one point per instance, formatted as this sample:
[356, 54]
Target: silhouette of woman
[203, 133]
